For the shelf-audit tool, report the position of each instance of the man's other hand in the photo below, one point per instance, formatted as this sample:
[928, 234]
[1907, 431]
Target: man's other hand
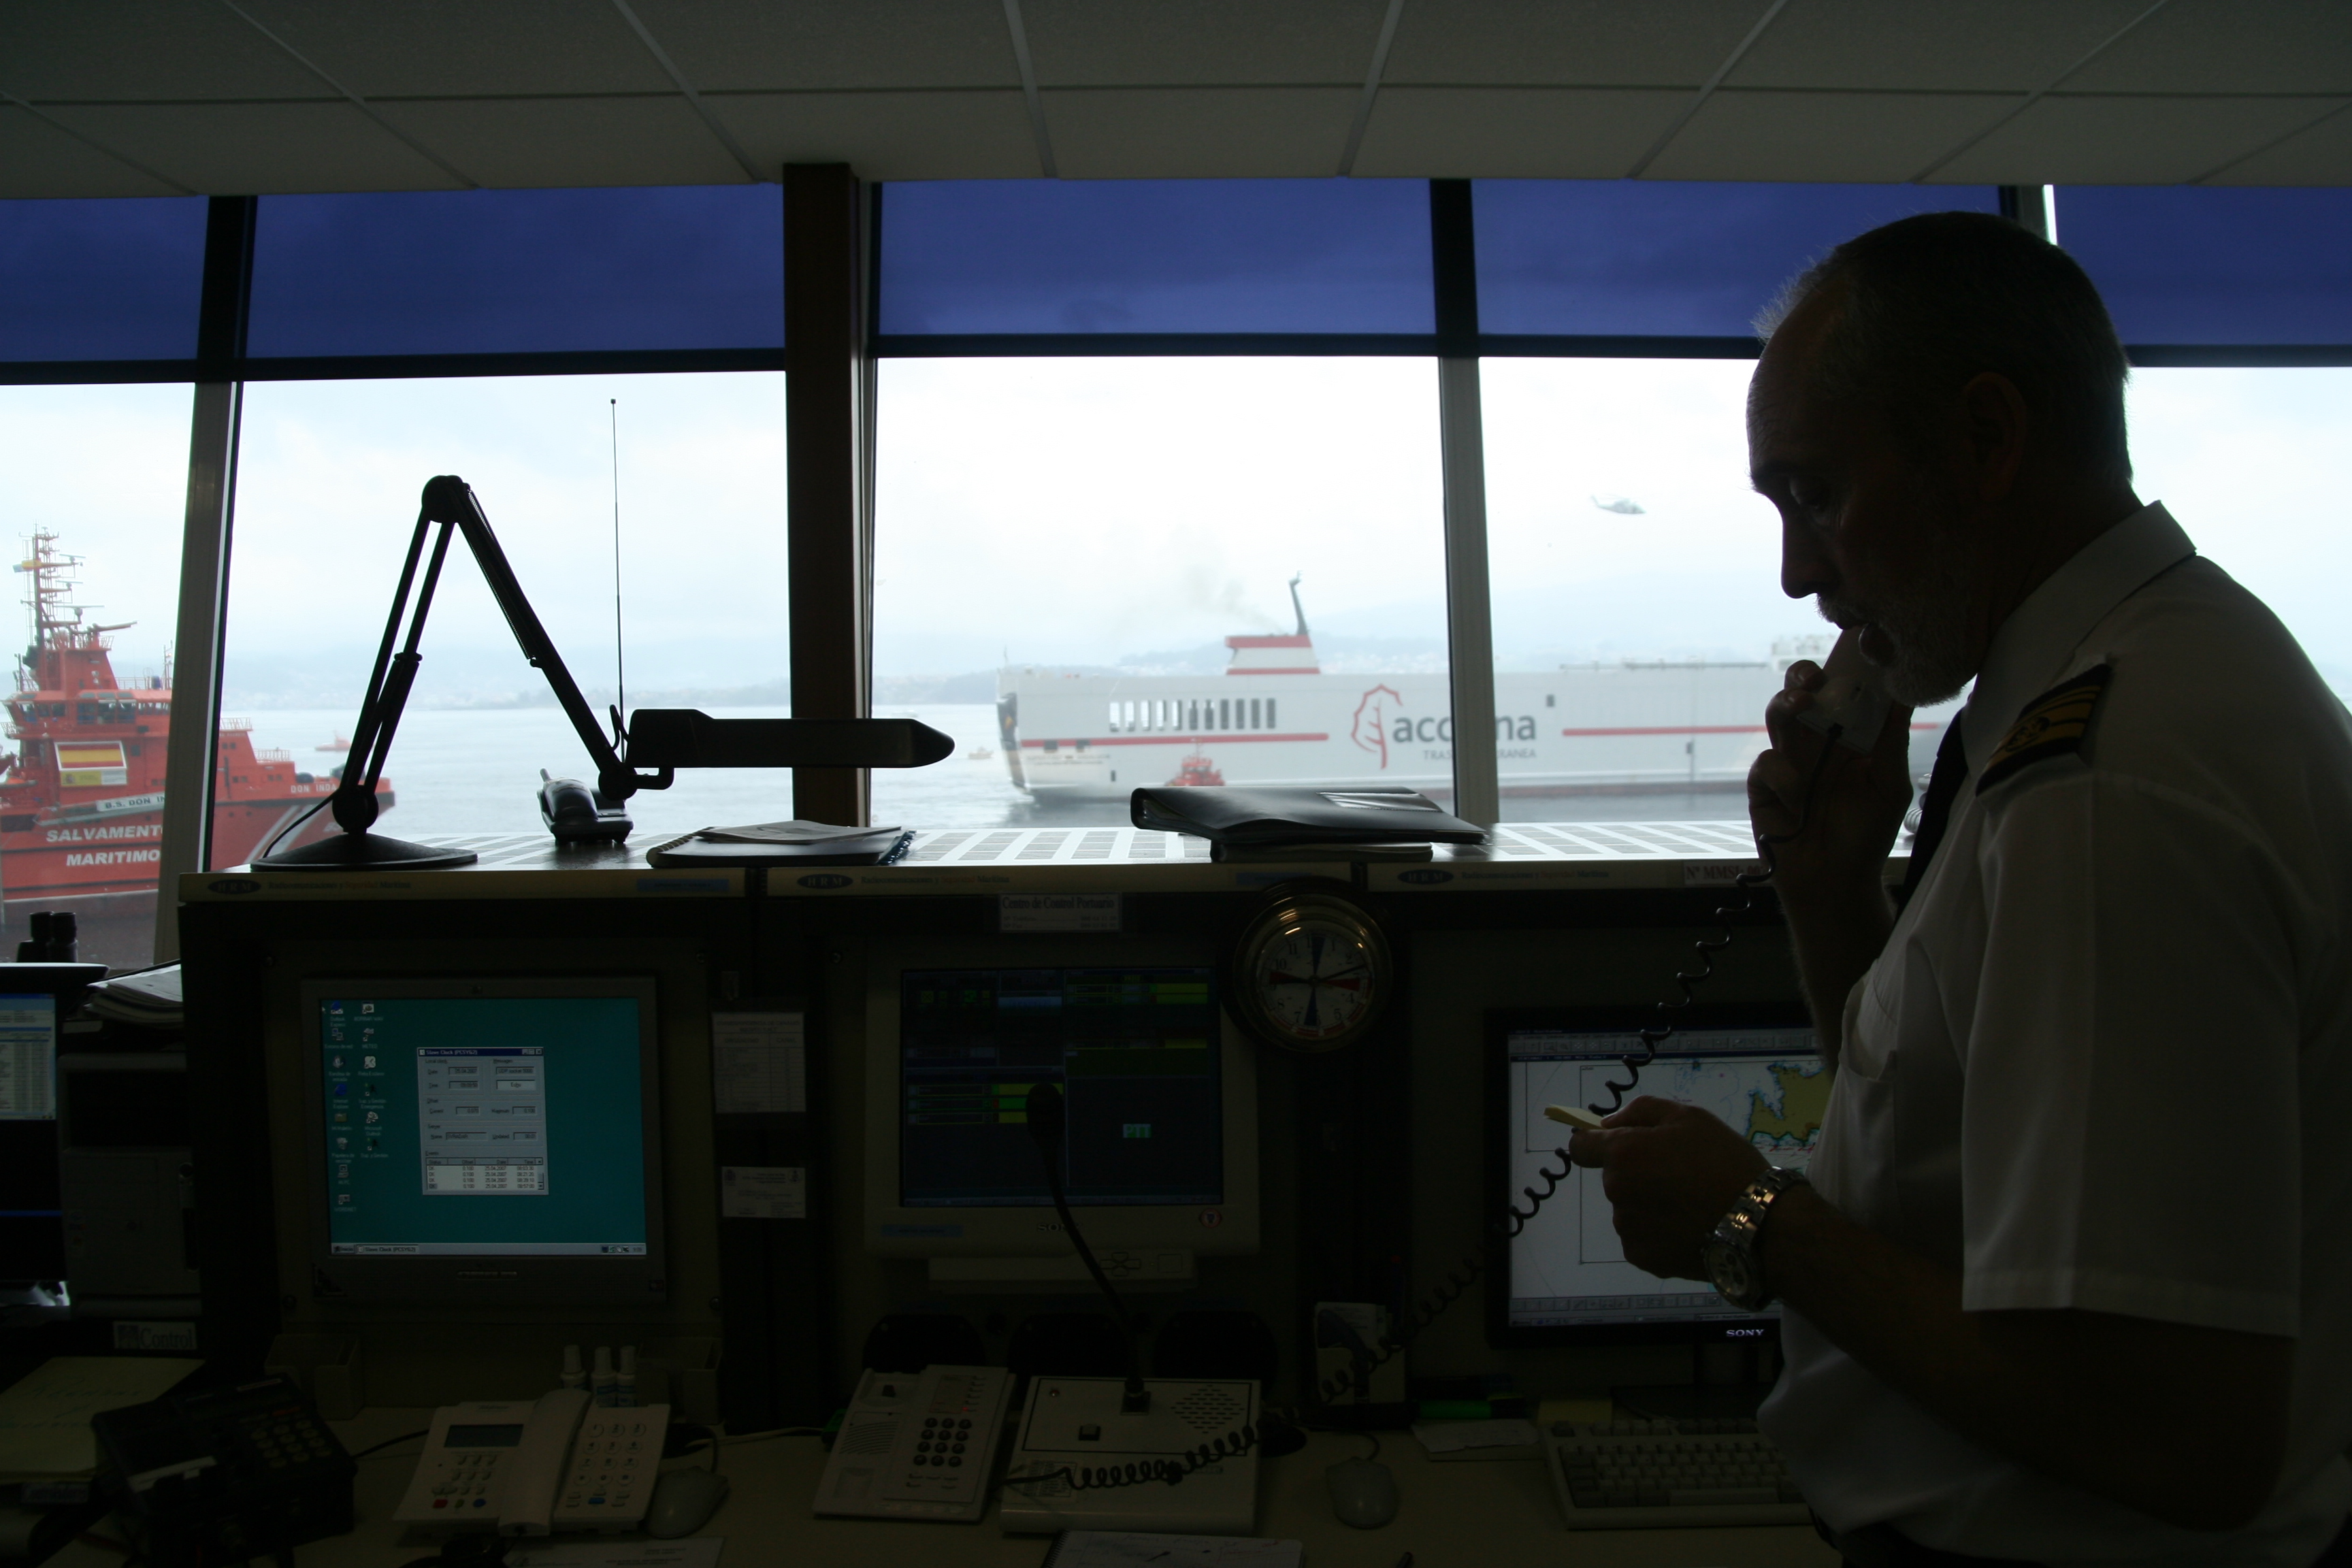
[1857, 800]
[1670, 1172]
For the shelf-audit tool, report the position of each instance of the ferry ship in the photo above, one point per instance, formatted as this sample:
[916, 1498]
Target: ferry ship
[81, 792]
[1273, 716]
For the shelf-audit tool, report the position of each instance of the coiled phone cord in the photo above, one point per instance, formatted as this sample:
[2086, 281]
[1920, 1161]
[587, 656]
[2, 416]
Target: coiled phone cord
[1688, 981]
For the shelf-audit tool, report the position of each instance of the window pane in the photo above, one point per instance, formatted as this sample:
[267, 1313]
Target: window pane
[100, 279]
[327, 496]
[2183, 265]
[2251, 462]
[1156, 255]
[690, 267]
[99, 478]
[1103, 545]
[1639, 257]
[1639, 622]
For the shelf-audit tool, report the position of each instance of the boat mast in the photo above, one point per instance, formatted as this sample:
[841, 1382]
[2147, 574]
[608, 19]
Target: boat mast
[1295, 607]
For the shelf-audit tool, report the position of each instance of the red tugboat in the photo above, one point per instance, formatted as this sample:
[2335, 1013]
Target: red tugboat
[82, 797]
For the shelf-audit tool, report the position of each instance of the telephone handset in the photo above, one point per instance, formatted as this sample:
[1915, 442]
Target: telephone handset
[525, 1467]
[1850, 704]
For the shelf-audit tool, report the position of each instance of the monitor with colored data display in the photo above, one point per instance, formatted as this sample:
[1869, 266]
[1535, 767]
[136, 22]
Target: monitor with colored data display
[1160, 1148]
[1565, 1278]
[484, 1140]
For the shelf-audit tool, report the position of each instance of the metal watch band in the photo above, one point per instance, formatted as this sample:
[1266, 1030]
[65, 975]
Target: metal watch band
[1731, 1252]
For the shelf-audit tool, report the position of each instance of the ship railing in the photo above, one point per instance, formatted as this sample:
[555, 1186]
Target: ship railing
[272, 754]
[238, 724]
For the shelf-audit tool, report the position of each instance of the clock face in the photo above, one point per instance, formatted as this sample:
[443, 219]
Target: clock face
[1314, 972]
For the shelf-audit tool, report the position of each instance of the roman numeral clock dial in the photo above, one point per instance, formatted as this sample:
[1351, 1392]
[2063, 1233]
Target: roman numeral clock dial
[1311, 973]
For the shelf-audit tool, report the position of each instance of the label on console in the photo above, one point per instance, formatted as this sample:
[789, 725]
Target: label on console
[1057, 911]
[759, 1063]
[764, 1192]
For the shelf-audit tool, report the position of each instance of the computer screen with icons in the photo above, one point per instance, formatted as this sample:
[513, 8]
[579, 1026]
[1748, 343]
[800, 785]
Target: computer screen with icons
[485, 1138]
[1564, 1279]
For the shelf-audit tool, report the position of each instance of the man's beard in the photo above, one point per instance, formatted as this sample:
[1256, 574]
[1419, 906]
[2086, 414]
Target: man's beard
[1928, 616]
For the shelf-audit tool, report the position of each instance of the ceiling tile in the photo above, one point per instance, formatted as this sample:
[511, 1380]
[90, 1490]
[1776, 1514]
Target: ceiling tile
[36, 159]
[1147, 133]
[783, 45]
[532, 141]
[1876, 137]
[2229, 46]
[1152, 43]
[1567, 43]
[888, 135]
[1985, 46]
[449, 48]
[2069, 140]
[110, 50]
[2319, 155]
[246, 149]
[1514, 133]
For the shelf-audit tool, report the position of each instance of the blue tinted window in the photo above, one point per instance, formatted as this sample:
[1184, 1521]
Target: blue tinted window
[100, 279]
[1668, 258]
[689, 267]
[2202, 265]
[1156, 255]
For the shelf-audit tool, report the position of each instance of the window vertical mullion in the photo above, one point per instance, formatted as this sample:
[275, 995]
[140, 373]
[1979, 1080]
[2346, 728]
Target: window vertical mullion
[1469, 613]
[828, 436]
[189, 761]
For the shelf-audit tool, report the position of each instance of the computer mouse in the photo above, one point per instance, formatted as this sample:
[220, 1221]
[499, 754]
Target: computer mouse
[683, 1501]
[1363, 1493]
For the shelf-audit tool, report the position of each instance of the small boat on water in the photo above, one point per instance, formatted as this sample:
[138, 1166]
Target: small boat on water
[339, 743]
[82, 794]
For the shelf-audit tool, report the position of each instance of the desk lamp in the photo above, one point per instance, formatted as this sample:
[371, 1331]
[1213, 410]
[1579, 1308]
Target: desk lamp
[660, 739]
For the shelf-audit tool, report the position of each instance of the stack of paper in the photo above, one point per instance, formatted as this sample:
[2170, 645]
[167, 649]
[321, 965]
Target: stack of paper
[150, 997]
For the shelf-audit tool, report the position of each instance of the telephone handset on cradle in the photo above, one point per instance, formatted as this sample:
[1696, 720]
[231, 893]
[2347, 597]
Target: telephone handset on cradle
[525, 1467]
[918, 1446]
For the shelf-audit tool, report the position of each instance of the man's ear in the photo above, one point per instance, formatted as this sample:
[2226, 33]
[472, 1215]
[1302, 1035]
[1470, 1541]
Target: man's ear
[1999, 428]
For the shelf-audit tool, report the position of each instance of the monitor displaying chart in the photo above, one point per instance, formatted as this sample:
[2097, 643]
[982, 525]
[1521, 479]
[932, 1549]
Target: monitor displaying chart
[1566, 1268]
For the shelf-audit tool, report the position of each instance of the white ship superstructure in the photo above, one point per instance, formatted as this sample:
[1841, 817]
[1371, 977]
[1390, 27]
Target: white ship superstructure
[1275, 717]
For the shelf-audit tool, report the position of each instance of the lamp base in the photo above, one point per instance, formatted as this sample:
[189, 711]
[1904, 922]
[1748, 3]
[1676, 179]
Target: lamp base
[364, 852]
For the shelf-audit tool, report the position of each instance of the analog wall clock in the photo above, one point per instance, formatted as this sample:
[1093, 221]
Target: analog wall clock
[1311, 973]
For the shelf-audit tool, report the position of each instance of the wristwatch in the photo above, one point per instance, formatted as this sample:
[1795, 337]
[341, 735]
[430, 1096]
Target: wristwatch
[1729, 1253]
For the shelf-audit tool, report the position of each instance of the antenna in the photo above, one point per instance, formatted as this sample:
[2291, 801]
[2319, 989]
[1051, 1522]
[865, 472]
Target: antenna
[620, 673]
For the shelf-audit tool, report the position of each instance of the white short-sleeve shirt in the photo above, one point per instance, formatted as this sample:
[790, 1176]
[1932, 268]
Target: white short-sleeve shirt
[2105, 1060]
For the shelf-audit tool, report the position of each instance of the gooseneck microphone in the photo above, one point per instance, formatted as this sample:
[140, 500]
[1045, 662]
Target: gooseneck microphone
[1048, 1122]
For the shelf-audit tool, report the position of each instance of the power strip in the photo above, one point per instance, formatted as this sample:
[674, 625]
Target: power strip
[1075, 1425]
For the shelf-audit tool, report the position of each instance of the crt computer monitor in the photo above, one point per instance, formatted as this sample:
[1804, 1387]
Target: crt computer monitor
[477, 1140]
[1564, 1278]
[1161, 1139]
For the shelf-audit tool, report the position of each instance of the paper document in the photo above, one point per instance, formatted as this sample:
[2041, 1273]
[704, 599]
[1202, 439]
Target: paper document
[1453, 1436]
[759, 1063]
[697, 1552]
[1125, 1549]
[45, 1416]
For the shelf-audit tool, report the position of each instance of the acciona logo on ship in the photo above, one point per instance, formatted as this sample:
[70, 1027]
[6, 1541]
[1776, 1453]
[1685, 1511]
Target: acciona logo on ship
[1380, 718]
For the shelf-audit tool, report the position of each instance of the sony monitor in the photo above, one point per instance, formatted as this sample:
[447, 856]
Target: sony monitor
[1159, 1154]
[484, 1140]
[1564, 1278]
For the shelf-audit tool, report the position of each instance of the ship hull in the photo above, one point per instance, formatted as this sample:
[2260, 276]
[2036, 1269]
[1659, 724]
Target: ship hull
[1593, 730]
[112, 850]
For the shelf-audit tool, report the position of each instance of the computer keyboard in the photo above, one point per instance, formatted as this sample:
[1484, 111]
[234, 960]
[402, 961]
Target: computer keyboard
[1634, 1474]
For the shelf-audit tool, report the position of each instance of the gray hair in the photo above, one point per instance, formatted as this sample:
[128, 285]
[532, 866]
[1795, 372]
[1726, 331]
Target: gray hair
[1925, 303]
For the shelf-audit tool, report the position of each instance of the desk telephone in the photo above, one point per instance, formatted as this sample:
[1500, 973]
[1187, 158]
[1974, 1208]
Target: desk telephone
[524, 1468]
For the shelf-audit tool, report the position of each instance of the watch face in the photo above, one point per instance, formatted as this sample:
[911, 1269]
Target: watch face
[1728, 1270]
[1311, 974]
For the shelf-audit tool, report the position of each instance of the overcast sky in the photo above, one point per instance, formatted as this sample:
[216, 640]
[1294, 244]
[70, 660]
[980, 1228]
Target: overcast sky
[1081, 510]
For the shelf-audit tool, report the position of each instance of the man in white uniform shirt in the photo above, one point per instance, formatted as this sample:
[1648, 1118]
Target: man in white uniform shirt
[2071, 1280]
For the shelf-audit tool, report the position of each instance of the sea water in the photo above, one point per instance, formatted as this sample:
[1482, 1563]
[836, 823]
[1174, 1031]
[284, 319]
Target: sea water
[475, 771]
